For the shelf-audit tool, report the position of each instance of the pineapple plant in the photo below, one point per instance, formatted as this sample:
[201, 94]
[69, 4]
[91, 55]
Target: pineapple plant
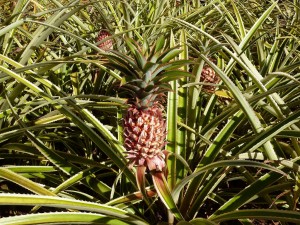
[145, 80]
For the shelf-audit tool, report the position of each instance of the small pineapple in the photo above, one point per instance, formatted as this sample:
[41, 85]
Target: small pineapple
[208, 75]
[145, 79]
[106, 45]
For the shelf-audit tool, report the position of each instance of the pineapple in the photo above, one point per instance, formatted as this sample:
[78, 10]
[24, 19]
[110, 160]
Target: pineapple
[106, 45]
[208, 75]
[144, 135]
[145, 79]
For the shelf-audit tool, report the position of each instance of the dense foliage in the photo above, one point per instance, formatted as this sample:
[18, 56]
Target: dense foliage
[231, 106]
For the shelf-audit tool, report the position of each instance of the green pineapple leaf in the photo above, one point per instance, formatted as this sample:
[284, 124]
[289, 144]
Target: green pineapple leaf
[159, 44]
[171, 75]
[170, 66]
[139, 58]
[169, 55]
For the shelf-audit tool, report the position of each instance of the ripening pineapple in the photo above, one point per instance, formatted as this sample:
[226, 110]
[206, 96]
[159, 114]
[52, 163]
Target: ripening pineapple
[145, 134]
[106, 45]
[208, 75]
[145, 79]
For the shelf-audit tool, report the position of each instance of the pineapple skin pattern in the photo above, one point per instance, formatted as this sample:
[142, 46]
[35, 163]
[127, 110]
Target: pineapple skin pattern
[144, 136]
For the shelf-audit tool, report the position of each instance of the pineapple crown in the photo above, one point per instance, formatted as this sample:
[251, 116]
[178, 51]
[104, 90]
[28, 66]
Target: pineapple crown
[146, 73]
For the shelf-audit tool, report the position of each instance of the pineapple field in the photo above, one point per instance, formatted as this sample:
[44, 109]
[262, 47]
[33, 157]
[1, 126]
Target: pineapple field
[176, 112]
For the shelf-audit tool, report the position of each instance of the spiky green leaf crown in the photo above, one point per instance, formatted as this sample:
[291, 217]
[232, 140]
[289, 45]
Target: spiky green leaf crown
[146, 72]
